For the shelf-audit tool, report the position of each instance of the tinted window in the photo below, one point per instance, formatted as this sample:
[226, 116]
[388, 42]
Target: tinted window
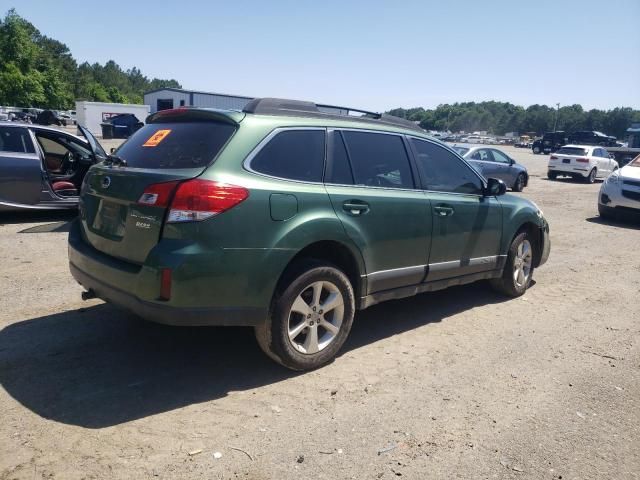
[572, 151]
[378, 160]
[442, 171]
[483, 155]
[338, 170]
[175, 145]
[51, 146]
[500, 157]
[14, 139]
[293, 154]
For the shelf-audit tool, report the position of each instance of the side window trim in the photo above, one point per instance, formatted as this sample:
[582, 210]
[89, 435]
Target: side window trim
[246, 164]
[475, 172]
[333, 135]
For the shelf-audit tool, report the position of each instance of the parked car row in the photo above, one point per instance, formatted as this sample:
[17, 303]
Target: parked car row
[552, 141]
[620, 191]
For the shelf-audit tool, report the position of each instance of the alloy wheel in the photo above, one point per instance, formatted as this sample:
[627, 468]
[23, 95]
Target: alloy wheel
[522, 263]
[315, 317]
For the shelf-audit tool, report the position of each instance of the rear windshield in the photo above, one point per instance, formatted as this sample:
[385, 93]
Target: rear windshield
[572, 151]
[460, 150]
[175, 145]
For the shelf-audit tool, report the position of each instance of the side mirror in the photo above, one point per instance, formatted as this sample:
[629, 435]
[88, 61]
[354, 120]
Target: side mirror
[511, 161]
[495, 188]
[113, 149]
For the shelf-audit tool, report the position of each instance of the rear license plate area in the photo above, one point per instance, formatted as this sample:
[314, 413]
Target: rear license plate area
[566, 160]
[110, 220]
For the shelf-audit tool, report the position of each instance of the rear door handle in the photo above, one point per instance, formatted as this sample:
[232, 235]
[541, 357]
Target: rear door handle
[355, 207]
[443, 211]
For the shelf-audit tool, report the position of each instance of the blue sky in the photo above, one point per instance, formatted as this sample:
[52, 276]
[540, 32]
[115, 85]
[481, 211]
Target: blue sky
[368, 54]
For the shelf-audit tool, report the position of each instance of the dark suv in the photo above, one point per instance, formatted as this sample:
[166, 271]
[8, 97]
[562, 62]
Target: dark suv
[550, 142]
[290, 216]
[591, 137]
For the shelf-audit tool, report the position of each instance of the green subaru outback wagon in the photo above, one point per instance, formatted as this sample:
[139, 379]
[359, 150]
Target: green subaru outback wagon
[289, 216]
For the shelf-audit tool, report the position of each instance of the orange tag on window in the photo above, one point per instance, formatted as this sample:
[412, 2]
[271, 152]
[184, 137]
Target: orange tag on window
[156, 138]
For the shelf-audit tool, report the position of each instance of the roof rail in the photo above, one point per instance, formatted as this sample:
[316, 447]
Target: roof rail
[300, 108]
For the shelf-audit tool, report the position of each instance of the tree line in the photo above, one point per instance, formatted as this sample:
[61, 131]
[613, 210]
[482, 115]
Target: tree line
[38, 71]
[501, 117]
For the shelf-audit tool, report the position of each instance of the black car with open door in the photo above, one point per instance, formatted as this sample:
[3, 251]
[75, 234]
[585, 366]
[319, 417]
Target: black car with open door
[42, 168]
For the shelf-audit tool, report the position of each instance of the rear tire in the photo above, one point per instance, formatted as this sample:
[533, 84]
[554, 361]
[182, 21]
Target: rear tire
[536, 150]
[518, 186]
[518, 271]
[591, 178]
[310, 319]
[552, 175]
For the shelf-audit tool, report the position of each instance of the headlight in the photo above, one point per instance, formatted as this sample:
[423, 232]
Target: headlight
[613, 179]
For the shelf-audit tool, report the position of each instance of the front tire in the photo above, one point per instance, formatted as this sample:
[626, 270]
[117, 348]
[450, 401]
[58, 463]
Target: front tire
[310, 318]
[518, 271]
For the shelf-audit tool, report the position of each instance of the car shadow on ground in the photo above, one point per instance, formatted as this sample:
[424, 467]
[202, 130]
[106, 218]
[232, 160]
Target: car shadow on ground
[628, 223]
[37, 216]
[100, 366]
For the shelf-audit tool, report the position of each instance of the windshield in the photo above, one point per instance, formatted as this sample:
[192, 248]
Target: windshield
[175, 145]
[572, 151]
[635, 162]
[460, 150]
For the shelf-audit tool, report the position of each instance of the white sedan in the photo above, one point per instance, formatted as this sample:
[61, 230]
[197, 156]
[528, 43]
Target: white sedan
[620, 192]
[581, 161]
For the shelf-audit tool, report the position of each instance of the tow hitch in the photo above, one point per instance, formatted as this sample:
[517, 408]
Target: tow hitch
[88, 295]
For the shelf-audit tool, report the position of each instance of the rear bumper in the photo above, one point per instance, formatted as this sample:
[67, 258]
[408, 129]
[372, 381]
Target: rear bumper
[582, 171]
[203, 300]
[167, 314]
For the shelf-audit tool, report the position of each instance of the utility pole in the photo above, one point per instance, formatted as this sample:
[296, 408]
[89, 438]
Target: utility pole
[555, 122]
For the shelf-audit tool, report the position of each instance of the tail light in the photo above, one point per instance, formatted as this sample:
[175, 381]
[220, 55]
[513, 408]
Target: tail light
[582, 160]
[199, 199]
[158, 194]
[553, 157]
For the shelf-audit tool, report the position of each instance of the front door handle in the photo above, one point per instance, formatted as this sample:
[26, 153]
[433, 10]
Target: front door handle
[443, 211]
[355, 207]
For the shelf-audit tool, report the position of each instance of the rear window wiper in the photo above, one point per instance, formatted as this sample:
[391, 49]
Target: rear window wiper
[115, 161]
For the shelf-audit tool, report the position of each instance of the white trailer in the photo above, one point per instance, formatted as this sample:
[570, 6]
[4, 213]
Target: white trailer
[91, 114]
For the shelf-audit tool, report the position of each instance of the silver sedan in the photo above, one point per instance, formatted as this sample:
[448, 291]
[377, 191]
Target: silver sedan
[494, 163]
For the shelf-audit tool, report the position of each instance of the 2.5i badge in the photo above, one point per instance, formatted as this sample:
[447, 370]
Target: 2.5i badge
[156, 138]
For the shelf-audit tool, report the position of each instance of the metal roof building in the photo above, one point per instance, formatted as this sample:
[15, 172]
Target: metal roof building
[165, 98]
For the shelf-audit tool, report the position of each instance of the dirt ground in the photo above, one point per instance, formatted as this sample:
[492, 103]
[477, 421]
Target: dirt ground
[461, 383]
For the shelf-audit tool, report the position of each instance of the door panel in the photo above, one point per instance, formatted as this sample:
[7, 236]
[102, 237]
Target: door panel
[390, 227]
[467, 227]
[20, 168]
[370, 183]
[467, 230]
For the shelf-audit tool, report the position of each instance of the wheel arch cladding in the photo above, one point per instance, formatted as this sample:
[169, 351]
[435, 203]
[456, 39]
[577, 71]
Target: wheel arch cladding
[331, 252]
[535, 236]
